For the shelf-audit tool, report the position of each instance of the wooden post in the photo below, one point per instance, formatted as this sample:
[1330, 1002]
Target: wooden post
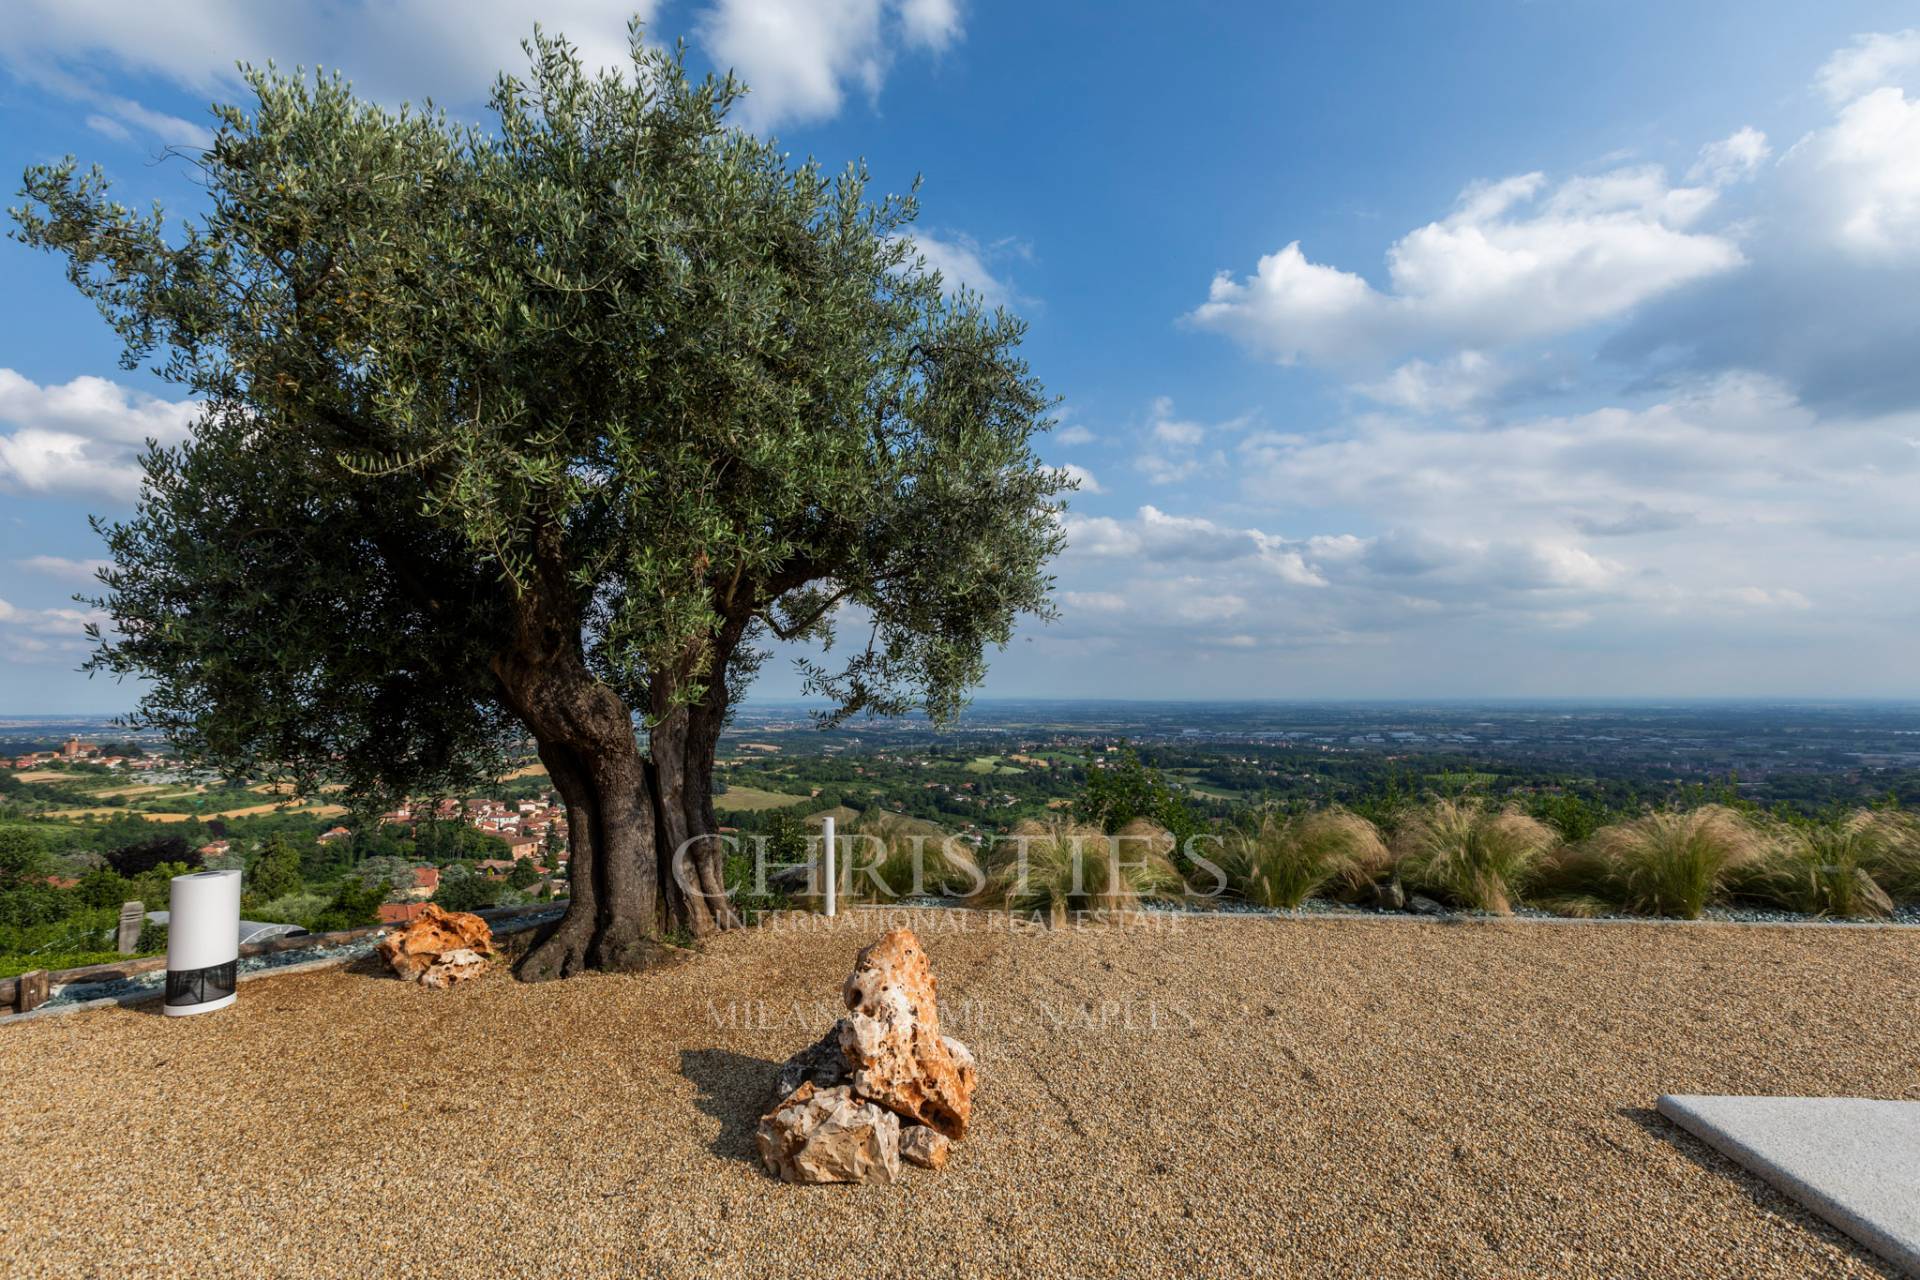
[132, 916]
[31, 992]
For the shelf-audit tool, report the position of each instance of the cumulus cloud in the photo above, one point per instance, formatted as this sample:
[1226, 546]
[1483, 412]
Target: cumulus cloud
[1517, 260]
[1074, 434]
[1868, 63]
[1834, 256]
[1860, 177]
[800, 59]
[450, 52]
[82, 437]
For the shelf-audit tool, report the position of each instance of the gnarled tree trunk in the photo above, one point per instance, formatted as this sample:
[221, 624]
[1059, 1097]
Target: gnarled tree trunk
[644, 846]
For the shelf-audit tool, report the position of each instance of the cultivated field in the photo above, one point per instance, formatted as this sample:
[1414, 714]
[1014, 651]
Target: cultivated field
[1333, 1097]
[753, 799]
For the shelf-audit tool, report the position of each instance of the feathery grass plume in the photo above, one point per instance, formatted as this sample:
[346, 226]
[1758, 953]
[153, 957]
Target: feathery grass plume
[1286, 860]
[888, 868]
[1674, 862]
[1825, 869]
[1067, 868]
[1896, 864]
[1470, 854]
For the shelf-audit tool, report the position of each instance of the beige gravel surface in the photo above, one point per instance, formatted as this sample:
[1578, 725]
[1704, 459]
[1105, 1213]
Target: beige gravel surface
[1210, 1097]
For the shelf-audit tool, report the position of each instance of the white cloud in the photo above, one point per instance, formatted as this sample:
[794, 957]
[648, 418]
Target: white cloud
[449, 51]
[1176, 432]
[1094, 601]
[1155, 536]
[1515, 261]
[46, 635]
[1080, 475]
[1860, 177]
[1872, 61]
[799, 59]
[1452, 384]
[1726, 510]
[1832, 238]
[1734, 158]
[1173, 451]
[932, 24]
[1074, 435]
[963, 264]
[109, 127]
[62, 567]
[82, 437]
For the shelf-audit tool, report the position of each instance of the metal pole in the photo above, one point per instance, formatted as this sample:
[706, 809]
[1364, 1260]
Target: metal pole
[833, 878]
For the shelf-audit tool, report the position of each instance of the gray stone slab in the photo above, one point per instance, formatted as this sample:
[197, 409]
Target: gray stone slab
[1853, 1161]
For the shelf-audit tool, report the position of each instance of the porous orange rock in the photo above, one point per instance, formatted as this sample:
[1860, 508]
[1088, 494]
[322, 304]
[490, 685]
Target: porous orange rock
[418, 947]
[891, 1038]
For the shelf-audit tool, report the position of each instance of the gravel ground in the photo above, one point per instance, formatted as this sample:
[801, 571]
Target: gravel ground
[1184, 1096]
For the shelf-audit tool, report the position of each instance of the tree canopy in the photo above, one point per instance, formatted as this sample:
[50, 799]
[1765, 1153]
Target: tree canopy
[540, 428]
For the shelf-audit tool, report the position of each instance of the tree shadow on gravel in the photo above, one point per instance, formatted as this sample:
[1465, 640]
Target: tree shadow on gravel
[1765, 1197]
[734, 1089]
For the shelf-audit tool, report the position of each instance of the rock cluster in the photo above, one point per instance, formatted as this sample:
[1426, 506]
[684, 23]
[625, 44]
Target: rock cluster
[884, 1085]
[439, 948]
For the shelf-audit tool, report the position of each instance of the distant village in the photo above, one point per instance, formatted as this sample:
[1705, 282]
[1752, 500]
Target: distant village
[534, 829]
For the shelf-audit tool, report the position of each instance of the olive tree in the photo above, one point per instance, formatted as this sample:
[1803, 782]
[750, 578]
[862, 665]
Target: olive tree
[545, 429]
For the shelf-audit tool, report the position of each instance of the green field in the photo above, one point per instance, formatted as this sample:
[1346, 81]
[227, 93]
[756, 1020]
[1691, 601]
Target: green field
[1462, 779]
[753, 800]
[989, 764]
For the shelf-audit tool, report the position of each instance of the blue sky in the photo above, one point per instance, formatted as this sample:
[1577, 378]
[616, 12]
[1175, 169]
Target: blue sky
[1485, 348]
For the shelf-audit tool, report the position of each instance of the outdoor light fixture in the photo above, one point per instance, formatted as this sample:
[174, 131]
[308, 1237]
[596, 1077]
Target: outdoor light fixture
[203, 942]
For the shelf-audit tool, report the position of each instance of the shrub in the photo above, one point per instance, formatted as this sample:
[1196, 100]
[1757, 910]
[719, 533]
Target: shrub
[1061, 869]
[292, 908]
[1672, 863]
[1471, 855]
[136, 859]
[276, 872]
[354, 904]
[1826, 869]
[1120, 791]
[750, 895]
[465, 892]
[1286, 860]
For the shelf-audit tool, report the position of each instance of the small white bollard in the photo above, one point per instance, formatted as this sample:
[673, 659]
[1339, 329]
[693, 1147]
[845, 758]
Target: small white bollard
[203, 942]
[833, 876]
